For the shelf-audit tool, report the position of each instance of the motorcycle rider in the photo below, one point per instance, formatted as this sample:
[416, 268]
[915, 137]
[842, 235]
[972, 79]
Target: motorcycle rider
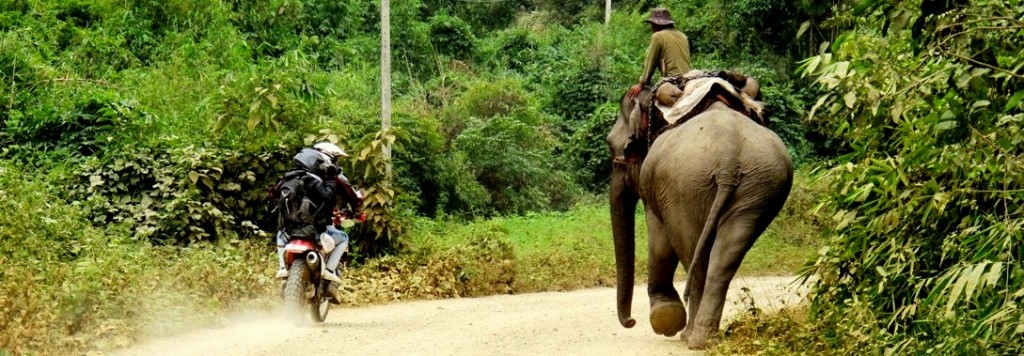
[329, 189]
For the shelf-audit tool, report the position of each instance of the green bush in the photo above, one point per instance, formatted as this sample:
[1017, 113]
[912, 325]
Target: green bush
[587, 151]
[511, 49]
[785, 106]
[575, 97]
[925, 253]
[483, 17]
[439, 181]
[507, 144]
[85, 128]
[67, 286]
[21, 67]
[181, 196]
[451, 36]
[279, 97]
[386, 206]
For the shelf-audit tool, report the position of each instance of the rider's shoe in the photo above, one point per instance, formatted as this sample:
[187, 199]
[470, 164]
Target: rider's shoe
[282, 273]
[332, 276]
[332, 293]
[332, 288]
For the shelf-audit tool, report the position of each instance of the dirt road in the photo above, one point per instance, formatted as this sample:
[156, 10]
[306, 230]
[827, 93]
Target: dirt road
[558, 323]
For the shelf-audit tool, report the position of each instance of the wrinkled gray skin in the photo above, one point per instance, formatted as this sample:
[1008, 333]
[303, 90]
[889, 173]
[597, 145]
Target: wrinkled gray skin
[712, 185]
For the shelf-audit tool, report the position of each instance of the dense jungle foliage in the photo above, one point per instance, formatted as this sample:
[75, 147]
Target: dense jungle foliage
[137, 139]
[926, 254]
[173, 116]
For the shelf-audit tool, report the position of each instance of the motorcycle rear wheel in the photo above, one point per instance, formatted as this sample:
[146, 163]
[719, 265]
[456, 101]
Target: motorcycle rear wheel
[295, 299]
[320, 306]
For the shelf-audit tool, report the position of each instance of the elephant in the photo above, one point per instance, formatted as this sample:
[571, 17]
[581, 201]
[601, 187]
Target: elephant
[710, 187]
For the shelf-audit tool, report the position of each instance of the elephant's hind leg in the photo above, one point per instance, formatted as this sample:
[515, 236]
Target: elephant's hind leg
[735, 237]
[668, 316]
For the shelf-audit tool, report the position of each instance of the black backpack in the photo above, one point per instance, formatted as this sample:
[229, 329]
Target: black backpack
[295, 211]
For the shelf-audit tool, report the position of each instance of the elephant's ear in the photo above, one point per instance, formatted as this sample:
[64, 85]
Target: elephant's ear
[636, 146]
[635, 151]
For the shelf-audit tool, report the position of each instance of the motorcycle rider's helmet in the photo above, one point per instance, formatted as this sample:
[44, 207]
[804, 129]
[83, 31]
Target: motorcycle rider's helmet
[330, 150]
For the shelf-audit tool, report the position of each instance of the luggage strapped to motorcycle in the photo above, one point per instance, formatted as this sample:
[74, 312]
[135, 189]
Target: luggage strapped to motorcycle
[296, 213]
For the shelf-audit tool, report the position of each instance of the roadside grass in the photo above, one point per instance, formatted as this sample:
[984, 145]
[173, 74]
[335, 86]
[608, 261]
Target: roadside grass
[67, 286]
[783, 332]
[574, 249]
[553, 251]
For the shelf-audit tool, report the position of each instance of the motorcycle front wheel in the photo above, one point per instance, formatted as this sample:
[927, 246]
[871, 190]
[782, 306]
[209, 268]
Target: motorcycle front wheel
[295, 288]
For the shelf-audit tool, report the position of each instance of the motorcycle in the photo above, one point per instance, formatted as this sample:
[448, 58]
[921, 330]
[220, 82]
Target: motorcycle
[307, 282]
[306, 286]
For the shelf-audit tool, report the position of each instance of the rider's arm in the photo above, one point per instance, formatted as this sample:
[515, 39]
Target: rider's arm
[346, 192]
[652, 60]
[323, 189]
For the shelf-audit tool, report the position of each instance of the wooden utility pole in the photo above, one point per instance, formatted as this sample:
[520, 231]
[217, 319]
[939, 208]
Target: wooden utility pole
[385, 77]
[607, 11]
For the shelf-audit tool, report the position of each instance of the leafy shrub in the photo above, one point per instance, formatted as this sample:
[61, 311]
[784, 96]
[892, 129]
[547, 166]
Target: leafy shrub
[623, 44]
[381, 202]
[437, 180]
[96, 53]
[507, 160]
[784, 332]
[570, 12]
[182, 195]
[337, 19]
[498, 132]
[483, 17]
[785, 107]
[85, 129]
[486, 99]
[511, 49]
[20, 65]
[576, 95]
[272, 25]
[451, 36]
[925, 253]
[276, 98]
[67, 286]
[587, 151]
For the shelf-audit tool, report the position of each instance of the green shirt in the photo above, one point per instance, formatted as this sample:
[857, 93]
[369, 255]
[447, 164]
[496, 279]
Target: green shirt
[669, 52]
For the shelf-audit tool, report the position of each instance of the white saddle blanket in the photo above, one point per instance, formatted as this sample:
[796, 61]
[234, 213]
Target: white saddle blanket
[695, 91]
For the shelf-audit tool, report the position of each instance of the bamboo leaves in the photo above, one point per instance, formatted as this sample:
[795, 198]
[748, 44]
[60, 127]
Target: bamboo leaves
[925, 254]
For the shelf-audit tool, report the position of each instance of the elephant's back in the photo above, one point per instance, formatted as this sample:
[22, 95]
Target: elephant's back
[716, 147]
[721, 134]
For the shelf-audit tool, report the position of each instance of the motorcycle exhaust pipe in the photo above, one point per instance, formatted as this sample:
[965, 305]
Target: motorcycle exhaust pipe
[312, 259]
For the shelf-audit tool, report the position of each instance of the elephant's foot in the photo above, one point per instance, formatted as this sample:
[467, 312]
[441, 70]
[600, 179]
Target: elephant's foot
[698, 336]
[685, 335]
[667, 318]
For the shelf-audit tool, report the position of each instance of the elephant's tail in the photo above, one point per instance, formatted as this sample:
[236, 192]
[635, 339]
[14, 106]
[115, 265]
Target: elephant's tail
[707, 236]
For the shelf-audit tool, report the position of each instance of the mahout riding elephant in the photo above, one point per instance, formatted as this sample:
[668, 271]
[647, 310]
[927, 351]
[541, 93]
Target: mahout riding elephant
[710, 187]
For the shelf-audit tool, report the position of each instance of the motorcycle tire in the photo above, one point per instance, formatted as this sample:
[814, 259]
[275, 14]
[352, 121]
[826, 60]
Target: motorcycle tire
[320, 306]
[295, 289]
